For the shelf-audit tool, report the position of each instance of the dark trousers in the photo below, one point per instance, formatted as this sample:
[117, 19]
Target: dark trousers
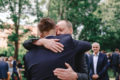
[15, 76]
[114, 70]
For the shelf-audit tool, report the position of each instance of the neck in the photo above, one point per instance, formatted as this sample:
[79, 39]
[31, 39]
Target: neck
[95, 53]
[49, 33]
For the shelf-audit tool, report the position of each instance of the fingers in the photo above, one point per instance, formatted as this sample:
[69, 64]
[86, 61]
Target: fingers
[53, 45]
[68, 66]
[59, 44]
[54, 50]
[61, 76]
[56, 47]
[56, 40]
[59, 70]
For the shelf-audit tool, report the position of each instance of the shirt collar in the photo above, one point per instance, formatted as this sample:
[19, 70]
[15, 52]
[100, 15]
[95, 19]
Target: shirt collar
[96, 55]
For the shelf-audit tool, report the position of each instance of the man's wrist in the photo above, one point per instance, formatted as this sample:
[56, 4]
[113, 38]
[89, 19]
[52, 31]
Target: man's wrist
[39, 42]
[76, 75]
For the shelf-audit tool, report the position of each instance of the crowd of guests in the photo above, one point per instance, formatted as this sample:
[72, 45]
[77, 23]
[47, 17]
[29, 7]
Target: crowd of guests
[100, 61]
[10, 69]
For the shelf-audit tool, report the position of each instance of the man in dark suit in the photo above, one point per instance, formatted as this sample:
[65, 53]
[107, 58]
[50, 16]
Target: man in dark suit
[80, 63]
[118, 77]
[98, 64]
[115, 62]
[3, 70]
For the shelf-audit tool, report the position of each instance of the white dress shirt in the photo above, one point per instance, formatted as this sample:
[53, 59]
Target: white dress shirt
[95, 60]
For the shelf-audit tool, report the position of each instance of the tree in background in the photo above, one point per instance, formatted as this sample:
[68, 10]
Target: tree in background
[92, 20]
[16, 8]
[100, 20]
[110, 19]
[79, 12]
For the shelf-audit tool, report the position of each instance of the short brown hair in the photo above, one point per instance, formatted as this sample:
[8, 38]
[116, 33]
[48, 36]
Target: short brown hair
[46, 24]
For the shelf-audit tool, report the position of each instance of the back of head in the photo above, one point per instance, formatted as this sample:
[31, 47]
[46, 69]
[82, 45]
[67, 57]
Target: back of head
[45, 25]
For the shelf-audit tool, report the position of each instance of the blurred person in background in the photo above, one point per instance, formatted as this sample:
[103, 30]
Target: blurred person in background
[119, 67]
[13, 68]
[109, 56]
[3, 69]
[115, 62]
[19, 66]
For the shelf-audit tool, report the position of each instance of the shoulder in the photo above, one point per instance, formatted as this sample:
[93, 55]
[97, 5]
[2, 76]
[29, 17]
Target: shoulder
[103, 55]
[64, 36]
[82, 43]
[91, 55]
[66, 39]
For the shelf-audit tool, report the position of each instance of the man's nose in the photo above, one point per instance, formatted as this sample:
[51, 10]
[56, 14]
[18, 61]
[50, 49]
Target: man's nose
[58, 33]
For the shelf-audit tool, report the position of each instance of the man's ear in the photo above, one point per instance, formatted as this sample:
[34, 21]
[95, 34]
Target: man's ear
[71, 30]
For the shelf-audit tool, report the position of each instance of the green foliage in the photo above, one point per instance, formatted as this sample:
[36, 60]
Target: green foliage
[1, 27]
[39, 13]
[13, 37]
[100, 20]
[30, 37]
[109, 14]
[14, 18]
[26, 30]
[7, 52]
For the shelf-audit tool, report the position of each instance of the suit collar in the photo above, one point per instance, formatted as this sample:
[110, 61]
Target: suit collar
[99, 55]
[96, 54]
[99, 59]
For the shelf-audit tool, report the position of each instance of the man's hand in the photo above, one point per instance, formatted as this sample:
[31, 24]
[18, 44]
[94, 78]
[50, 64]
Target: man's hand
[95, 77]
[51, 44]
[65, 74]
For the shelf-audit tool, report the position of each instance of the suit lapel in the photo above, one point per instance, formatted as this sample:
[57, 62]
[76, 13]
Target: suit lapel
[92, 62]
[98, 62]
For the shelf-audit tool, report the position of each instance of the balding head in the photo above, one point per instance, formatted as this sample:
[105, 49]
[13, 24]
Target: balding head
[95, 47]
[64, 27]
[65, 23]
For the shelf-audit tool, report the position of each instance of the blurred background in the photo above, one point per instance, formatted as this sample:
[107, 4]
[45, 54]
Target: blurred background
[93, 21]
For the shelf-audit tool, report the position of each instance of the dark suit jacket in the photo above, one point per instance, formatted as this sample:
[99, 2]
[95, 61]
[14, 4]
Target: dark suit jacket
[81, 47]
[3, 70]
[14, 67]
[87, 61]
[119, 66]
[115, 61]
[102, 66]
